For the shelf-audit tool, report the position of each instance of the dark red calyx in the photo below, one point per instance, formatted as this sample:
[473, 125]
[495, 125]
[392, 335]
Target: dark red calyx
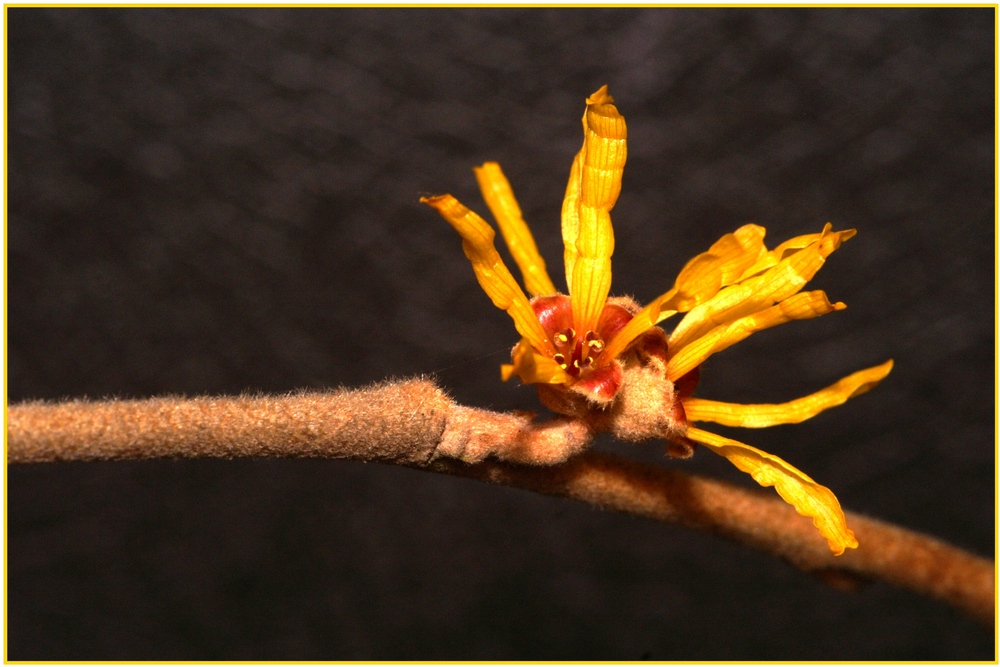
[685, 385]
[602, 384]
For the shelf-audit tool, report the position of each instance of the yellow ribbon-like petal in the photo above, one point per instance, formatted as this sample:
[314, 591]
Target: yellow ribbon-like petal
[604, 152]
[640, 323]
[699, 280]
[533, 368]
[492, 274]
[771, 258]
[722, 265]
[794, 486]
[802, 306]
[749, 296]
[792, 412]
[571, 219]
[500, 198]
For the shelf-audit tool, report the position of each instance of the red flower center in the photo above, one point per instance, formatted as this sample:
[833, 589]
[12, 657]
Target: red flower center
[577, 351]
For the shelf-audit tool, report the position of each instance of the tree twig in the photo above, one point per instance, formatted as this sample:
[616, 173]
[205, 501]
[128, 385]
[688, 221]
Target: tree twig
[413, 423]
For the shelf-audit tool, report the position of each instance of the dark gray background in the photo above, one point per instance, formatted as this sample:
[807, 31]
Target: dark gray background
[214, 201]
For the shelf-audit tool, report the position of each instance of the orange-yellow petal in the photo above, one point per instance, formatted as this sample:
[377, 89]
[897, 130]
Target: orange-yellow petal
[642, 322]
[783, 250]
[793, 412]
[721, 265]
[532, 367]
[571, 219]
[500, 198]
[801, 306]
[604, 152]
[794, 486]
[699, 280]
[753, 294]
[492, 274]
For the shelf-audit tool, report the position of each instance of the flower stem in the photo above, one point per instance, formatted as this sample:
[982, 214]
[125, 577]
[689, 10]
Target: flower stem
[413, 423]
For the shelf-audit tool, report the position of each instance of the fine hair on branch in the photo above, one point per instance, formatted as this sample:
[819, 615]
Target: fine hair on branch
[414, 423]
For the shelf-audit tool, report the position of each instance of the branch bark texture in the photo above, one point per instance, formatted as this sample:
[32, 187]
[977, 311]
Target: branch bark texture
[414, 423]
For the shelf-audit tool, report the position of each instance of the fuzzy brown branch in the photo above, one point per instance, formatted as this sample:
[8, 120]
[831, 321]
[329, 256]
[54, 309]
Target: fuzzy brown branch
[415, 424]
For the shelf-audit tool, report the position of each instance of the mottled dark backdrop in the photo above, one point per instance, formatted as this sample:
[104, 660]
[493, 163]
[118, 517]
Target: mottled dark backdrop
[214, 201]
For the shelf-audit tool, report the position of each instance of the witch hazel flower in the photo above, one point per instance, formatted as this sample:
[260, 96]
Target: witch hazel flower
[606, 361]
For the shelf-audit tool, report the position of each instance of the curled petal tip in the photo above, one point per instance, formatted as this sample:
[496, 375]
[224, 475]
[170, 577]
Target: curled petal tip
[601, 96]
[435, 201]
[848, 541]
[871, 377]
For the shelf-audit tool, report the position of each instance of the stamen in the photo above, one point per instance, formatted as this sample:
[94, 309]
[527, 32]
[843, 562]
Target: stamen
[562, 338]
[561, 360]
[596, 345]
